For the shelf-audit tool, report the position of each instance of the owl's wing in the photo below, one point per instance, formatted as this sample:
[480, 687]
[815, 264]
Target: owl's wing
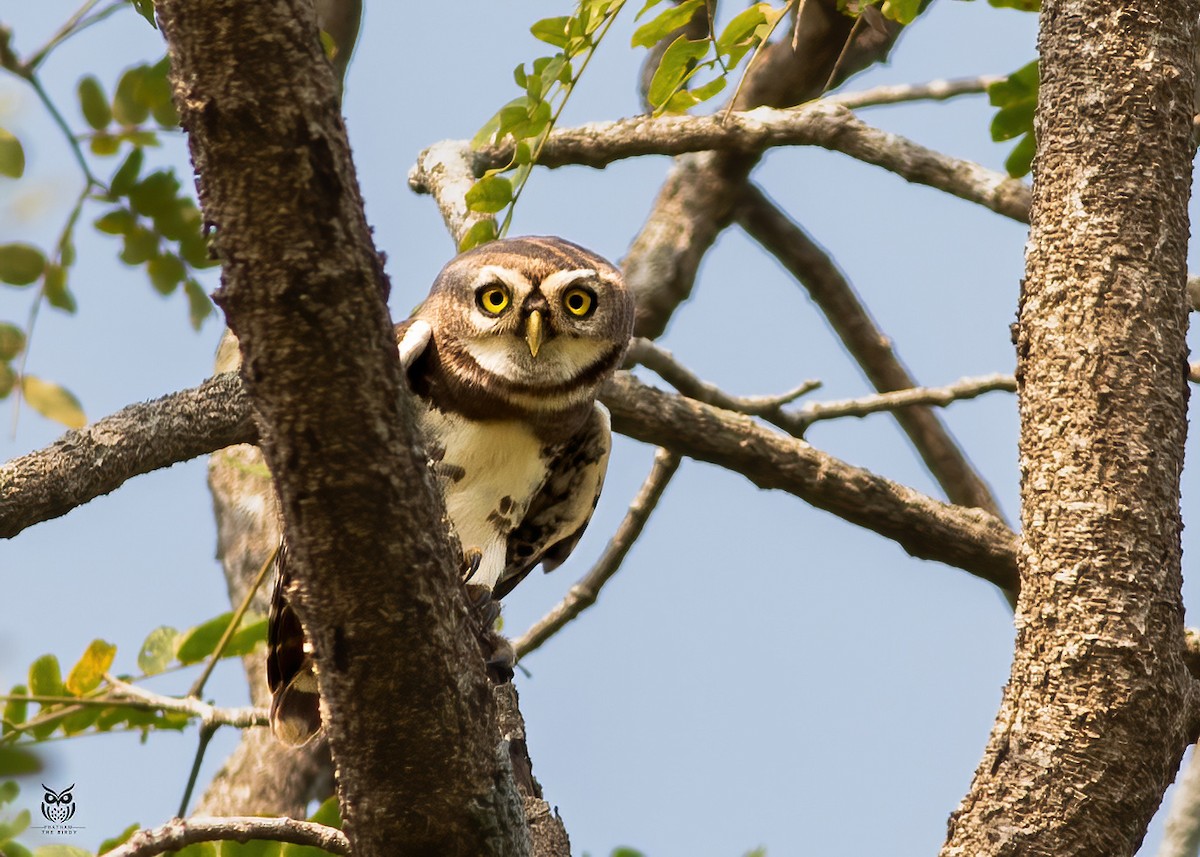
[559, 513]
[412, 337]
[291, 672]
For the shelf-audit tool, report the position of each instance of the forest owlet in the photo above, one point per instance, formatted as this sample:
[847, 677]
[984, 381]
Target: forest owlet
[505, 358]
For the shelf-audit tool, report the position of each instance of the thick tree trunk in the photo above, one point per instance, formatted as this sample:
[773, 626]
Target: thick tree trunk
[1094, 719]
[408, 709]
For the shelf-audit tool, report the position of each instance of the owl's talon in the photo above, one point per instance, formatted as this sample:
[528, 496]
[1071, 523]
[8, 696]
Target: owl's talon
[472, 559]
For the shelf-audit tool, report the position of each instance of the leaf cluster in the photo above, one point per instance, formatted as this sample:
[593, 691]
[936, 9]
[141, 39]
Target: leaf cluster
[84, 702]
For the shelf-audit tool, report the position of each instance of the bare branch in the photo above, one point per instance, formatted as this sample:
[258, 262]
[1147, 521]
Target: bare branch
[967, 538]
[867, 344]
[583, 594]
[971, 539]
[796, 422]
[177, 833]
[934, 90]
[241, 718]
[819, 123]
[662, 362]
[84, 464]
[446, 171]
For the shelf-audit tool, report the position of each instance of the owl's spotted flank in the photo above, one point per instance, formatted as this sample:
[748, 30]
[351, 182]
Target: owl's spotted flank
[505, 357]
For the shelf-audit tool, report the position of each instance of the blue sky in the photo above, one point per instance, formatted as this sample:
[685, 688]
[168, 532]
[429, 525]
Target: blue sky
[760, 672]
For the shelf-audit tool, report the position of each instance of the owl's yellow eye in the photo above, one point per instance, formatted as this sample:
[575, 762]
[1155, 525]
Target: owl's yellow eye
[579, 302]
[492, 299]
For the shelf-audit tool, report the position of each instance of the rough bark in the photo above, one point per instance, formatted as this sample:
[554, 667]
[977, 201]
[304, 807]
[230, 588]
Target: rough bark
[408, 709]
[1094, 719]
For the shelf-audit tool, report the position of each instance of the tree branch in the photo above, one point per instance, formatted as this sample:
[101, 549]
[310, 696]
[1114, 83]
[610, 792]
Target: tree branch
[94, 460]
[584, 593]
[209, 715]
[178, 833]
[797, 422]
[934, 90]
[866, 343]
[970, 539]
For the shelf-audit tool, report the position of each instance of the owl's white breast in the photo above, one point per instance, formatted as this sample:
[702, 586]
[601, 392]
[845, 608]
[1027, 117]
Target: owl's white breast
[484, 463]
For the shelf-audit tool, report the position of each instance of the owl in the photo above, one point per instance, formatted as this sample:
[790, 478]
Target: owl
[58, 807]
[504, 358]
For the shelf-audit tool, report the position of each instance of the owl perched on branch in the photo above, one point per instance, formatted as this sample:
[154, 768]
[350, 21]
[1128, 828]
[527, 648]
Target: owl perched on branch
[505, 358]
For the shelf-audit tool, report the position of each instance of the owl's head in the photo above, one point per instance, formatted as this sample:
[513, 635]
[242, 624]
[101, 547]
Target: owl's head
[537, 312]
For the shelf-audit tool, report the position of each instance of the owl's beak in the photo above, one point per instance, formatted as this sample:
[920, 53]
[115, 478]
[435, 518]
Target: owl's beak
[533, 331]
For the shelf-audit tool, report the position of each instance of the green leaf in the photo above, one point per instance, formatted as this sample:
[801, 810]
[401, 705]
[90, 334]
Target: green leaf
[81, 720]
[129, 104]
[158, 650]
[54, 402]
[650, 4]
[15, 712]
[490, 194]
[16, 762]
[1020, 160]
[1022, 5]
[198, 643]
[741, 28]
[252, 848]
[104, 144]
[9, 790]
[12, 340]
[54, 286]
[126, 175]
[481, 233]
[119, 221]
[89, 672]
[45, 677]
[166, 272]
[120, 839]
[247, 637]
[200, 305]
[902, 11]
[194, 249]
[15, 827]
[8, 380]
[145, 8]
[552, 31]
[199, 849]
[673, 69]
[626, 852]
[155, 195]
[658, 28]
[16, 849]
[12, 156]
[94, 103]
[141, 245]
[21, 264]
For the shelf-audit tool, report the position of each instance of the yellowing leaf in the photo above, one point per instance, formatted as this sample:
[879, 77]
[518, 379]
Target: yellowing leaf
[12, 156]
[53, 401]
[87, 674]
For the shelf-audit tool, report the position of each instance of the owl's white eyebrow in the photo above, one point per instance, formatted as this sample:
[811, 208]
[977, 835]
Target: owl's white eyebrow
[513, 279]
[559, 278]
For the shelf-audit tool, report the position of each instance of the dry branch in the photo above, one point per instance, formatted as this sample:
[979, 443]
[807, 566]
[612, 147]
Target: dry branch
[89, 462]
[970, 539]
[178, 833]
[584, 593]
[934, 90]
[872, 350]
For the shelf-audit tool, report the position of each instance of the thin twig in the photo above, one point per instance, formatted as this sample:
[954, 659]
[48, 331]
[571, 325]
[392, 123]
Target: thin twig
[206, 734]
[866, 343]
[240, 718]
[180, 832]
[796, 422]
[583, 594]
[662, 362]
[73, 27]
[934, 90]
[234, 621]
